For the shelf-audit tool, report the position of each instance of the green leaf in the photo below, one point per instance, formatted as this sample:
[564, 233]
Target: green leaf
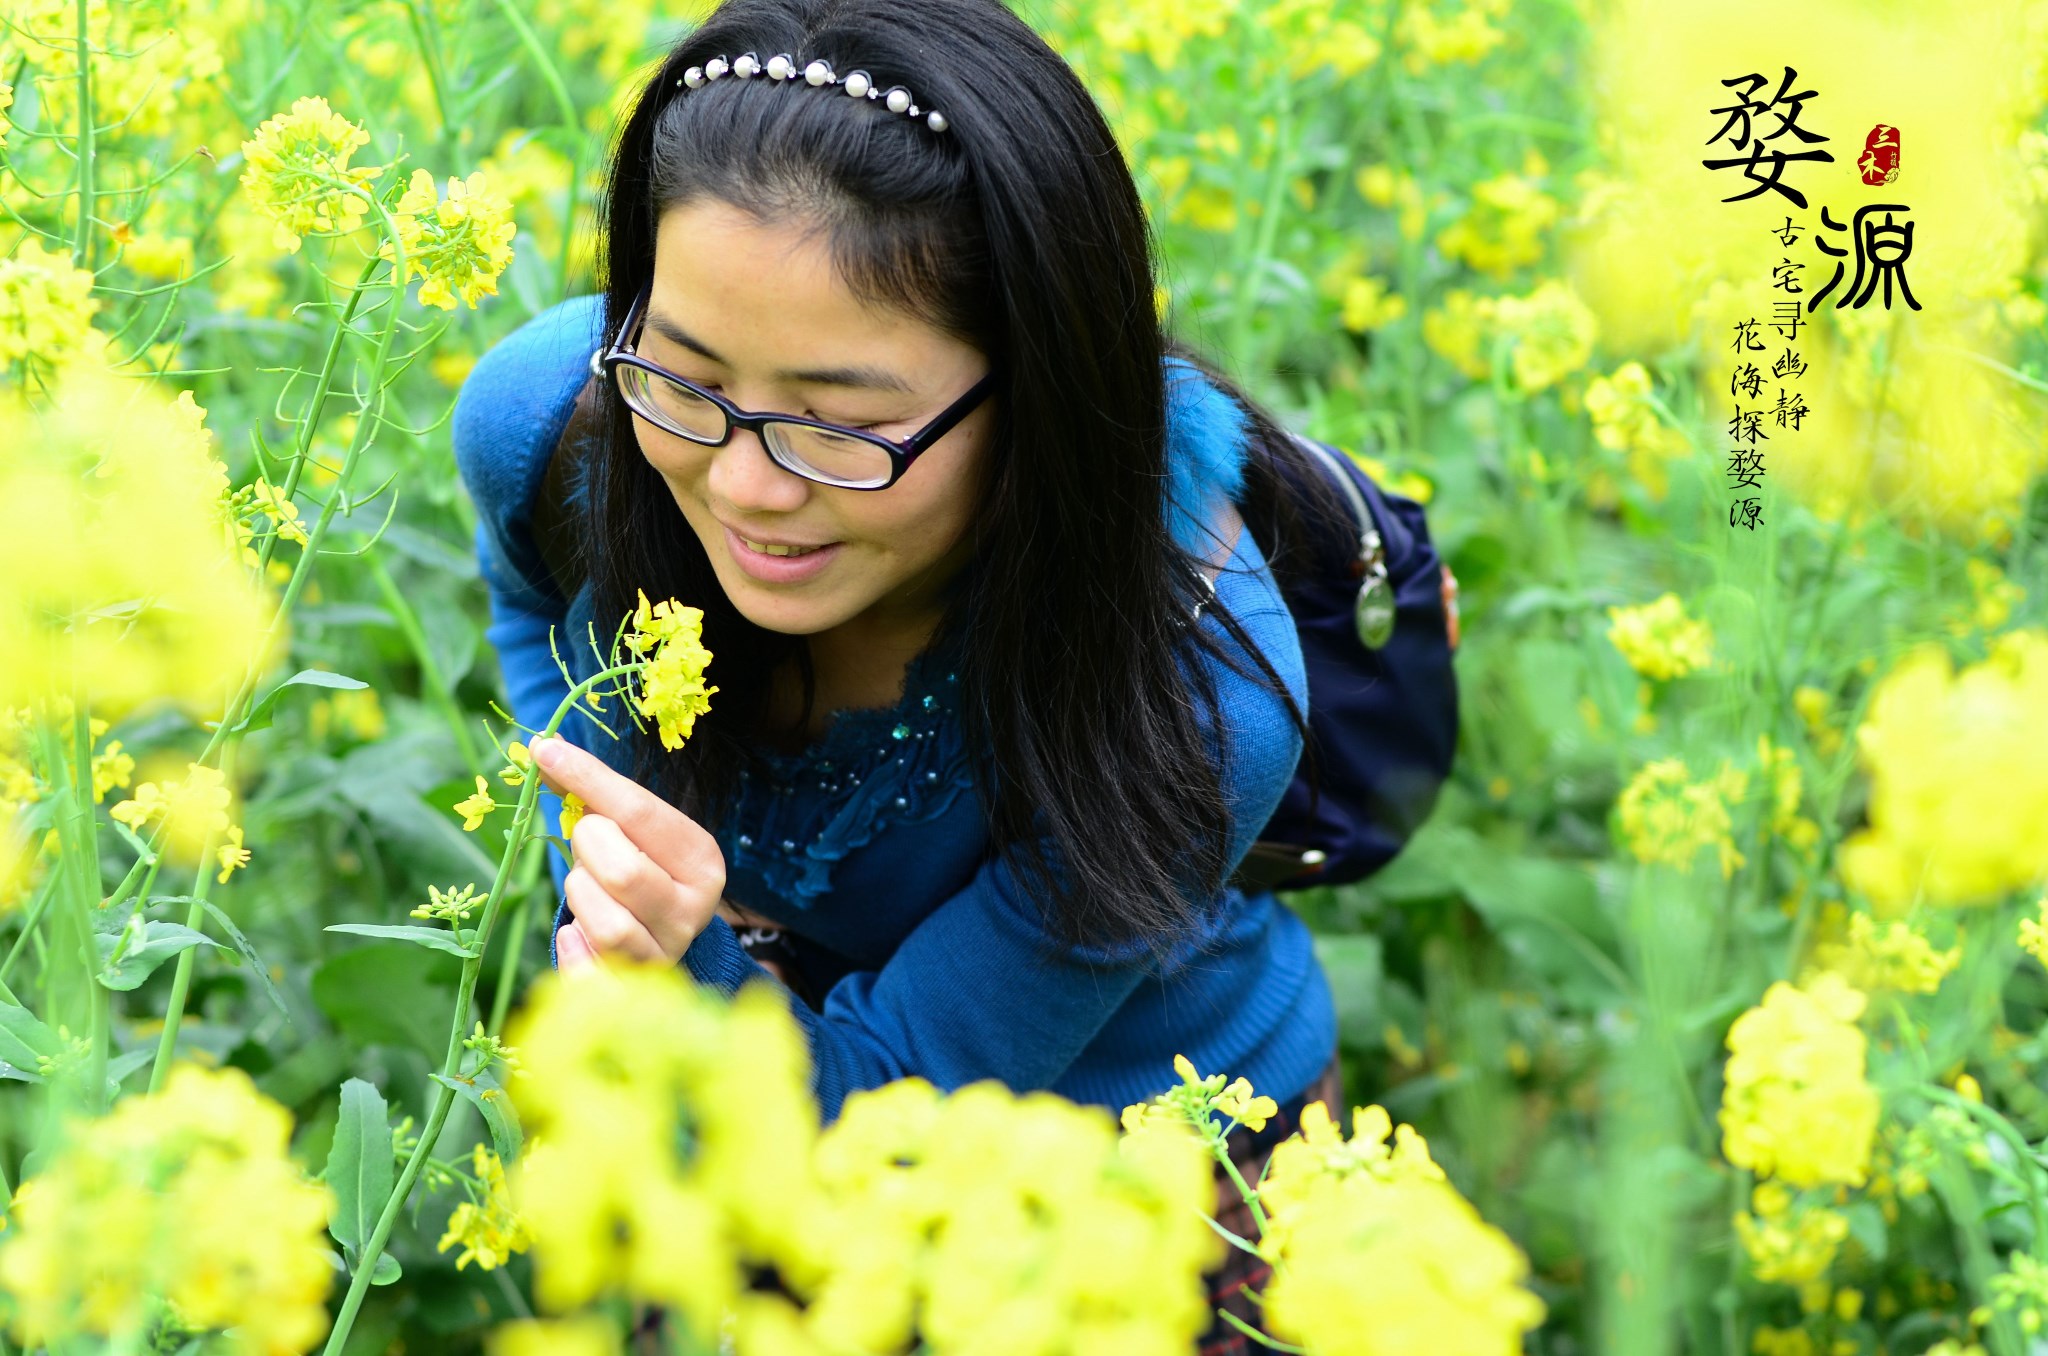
[260, 714]
[488, 1096]
[1355, 965]
[132, 955]
[256, 965]
[389, 995]
[24, 1039]
[438, 939]
[359, 1168]
[386, 1271]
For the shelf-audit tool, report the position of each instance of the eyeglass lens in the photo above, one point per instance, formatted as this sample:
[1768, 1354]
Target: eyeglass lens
[816, 452]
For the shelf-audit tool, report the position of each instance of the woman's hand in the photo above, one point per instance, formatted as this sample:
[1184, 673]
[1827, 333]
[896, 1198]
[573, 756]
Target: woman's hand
[647, 878]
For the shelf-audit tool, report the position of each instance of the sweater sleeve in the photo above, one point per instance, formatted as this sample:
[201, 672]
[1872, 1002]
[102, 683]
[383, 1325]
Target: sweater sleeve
[509, 416]
[977, 990]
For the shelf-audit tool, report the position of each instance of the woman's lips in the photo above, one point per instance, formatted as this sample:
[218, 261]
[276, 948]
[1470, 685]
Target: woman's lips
[778, 569]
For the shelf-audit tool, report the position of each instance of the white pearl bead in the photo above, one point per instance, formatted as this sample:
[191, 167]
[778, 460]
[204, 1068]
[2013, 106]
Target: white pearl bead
[715, 67]
[818, 73]
[779, 66]
[936, 121]
[694, 77]
[746, 66]
[858, 84]
[898, 99]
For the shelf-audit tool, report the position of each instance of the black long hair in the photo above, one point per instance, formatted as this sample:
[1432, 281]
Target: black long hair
[1019, 231]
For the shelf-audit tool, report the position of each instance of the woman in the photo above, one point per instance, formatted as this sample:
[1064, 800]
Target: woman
[1006, 687]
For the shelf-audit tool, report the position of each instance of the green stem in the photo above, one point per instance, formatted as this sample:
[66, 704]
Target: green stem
[81, 243]
[565, 107]
[431, 676]
[451, 1063]
[1249, 1331]
[88, 875]
[77, 892]
[1245, 307]
[195, 918]
[515, 944]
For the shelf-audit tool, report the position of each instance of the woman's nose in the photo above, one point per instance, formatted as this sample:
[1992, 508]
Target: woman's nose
[745, 476]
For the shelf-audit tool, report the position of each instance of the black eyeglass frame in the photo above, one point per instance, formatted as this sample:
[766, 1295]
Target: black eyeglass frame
[605, 362]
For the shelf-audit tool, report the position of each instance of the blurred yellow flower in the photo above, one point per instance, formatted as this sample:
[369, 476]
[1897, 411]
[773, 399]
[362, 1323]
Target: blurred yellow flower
[1811, 705]
[1382, 186]
[2034, 932]
[46, 308]
[1796, 1104]
[1461, 330]
[299, 176]
[1206, 208]
[1787, 1242]
[1876, 956]
[1552, 332]
[1466, 35]
[1504, 227]
[1958, 790]
[1659, 640]
[1626, 420]
[584, 1335]
[194, 809]
[187, 1195]
[1993, 597]
[158, 256]
[1667, 817]
[1376, 1254]
[458, 244]
[1367, 304]
[1161, 28]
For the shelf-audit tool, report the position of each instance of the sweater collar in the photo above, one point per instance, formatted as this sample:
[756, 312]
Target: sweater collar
[1206, 433]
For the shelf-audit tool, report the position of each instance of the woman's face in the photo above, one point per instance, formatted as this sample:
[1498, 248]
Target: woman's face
[757, 314]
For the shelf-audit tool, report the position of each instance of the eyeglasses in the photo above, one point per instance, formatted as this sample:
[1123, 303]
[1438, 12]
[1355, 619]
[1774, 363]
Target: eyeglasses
[829, 454]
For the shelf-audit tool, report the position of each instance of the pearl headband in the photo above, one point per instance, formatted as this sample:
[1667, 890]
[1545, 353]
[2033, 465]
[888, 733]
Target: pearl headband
[857, 84]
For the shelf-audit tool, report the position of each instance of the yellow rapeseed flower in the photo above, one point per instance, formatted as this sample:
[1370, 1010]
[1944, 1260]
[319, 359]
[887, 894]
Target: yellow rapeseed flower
[1667, 817]
[1659, 640]
[2034, 932]
[1958, 789]
[1375, 1253]
[46, 308]
[475, 807]
[1466, 35]
[1161, 28]
[584, 1335]
[188, 1195]
[1796, 1103]
[672, 689]
[1789, 1243]
[489, 1229]
[457, 244]
[1367, 304]
[1503, 229]
[572, 813]
[1892, 955]
[1626, 421]
[118, 578]
[299, 176]
[671, 1133]
[1552, 332]
[231, 854]
[194, 810]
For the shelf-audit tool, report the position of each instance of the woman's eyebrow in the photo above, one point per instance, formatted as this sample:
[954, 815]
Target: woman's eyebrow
[860, 377]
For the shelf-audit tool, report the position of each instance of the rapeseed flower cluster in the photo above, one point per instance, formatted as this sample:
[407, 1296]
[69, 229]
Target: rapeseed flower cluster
[298, 173]
[656, 1111]
[2034, 932]
[1465, 35]
[1548, 332]
[1505, 226]
[1376, 1253]
[1875, 956]
[194, 810]
[1161, 28]
[46, 309]
[487, 1228]
[118, 574]
[457, 244]
[180, 1206]
[1789, 1241]
[1796, 1105]
[672, 692]
[1958, 790]
[1659, 640]
[1665, 816]
[1625, 420]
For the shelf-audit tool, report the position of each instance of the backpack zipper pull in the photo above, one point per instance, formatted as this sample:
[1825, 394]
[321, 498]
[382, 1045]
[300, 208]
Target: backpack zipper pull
[1373, 611]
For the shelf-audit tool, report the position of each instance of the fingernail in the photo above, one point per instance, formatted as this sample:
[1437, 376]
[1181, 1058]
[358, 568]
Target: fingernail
[546, 750]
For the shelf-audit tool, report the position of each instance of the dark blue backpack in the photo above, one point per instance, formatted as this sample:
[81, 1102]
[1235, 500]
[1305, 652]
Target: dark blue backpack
[1377, 613]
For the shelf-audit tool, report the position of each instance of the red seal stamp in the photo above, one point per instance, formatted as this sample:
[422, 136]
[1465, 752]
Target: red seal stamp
[1879, 163]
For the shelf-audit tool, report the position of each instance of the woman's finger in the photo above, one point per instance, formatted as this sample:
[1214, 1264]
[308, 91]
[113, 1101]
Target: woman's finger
[672, 914]
[676, 842]
[609, 926]
[572, 951]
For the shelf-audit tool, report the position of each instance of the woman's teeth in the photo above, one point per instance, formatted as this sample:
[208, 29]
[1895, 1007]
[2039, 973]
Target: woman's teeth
[767, 550]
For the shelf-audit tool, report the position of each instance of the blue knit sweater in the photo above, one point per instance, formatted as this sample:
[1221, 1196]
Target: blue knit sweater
[869, 849]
